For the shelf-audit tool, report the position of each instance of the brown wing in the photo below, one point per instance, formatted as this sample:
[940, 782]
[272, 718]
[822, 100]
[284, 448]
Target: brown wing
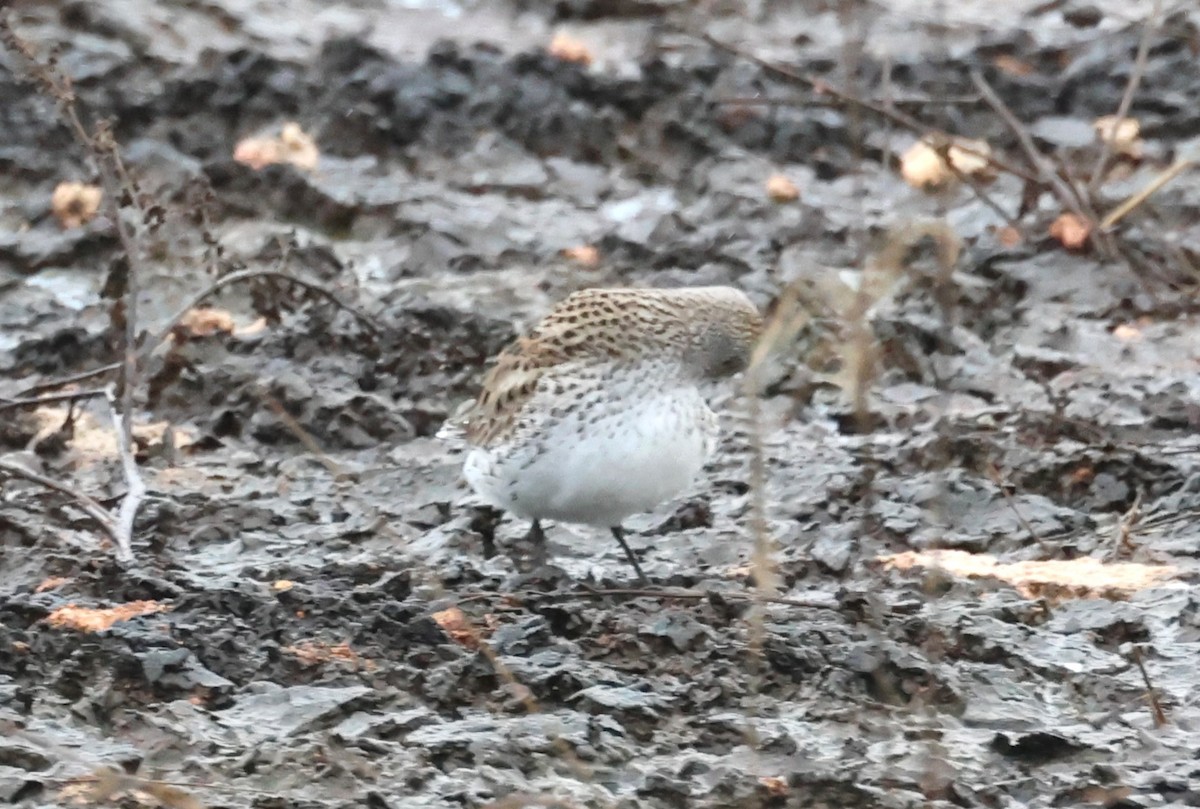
[586, 325]
[590, 326]
[506, 389]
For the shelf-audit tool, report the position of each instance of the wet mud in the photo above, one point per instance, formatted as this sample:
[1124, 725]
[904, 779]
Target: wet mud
[331, 619]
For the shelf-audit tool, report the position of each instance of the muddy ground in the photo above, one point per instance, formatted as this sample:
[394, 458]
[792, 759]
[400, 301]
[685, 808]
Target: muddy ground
[304, 530]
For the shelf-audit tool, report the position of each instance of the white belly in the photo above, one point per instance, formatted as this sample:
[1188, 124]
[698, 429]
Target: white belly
[600, 472]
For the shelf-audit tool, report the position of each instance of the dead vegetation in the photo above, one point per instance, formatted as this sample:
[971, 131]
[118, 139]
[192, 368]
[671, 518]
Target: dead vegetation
[842, 312]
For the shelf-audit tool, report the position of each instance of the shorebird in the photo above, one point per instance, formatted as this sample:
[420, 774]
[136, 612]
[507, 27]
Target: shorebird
[599, 412]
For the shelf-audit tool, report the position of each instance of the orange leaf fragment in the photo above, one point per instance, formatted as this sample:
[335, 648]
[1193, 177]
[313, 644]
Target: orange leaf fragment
[1006, 63]
[776, 786]
[568, 49]
[1071, 231]
[87, 619]
[51, 583]
[923, 166]
[455, 624]
[781, 189]
[292, 145]
[75, 204]
[1009, 236]
[206, 322]
[313, 653]
[584, 254]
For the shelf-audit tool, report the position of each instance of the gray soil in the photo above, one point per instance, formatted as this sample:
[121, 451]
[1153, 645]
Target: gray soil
[1033, 404]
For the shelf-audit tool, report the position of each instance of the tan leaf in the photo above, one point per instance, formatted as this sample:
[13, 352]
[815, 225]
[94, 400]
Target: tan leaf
[1124, 134]
[569, 49]
[1127, 332]
[584, 254]
[1071, 231]
[922, 165]
[292, 145]
[1011, 65]
[283, 585]
[1084, 577]
[781, 189]
[776, 786]
[75, 204]
[206, 322]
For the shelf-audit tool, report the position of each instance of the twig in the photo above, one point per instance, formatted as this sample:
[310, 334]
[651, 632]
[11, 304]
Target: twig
[1131, 87]
[165, 331]
[1140, 196]
[1125, 528]
[683, 595]
[1156, 708]
[523, 801]
[102, 149]
[34, 401]
[949, 101]
[1070, 198]
[92, 507]
[71, 380]
[994, 473]
[302, 435]
[135, 488]
[896, 116]
[525, 695]
[247, 275]
[939, 140]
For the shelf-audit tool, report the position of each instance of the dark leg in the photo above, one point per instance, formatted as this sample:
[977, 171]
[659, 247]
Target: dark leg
[619, 533]
[538, 537]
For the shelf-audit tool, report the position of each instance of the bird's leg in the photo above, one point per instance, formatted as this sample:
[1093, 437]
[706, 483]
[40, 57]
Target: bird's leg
[619, 533]
[538, 537]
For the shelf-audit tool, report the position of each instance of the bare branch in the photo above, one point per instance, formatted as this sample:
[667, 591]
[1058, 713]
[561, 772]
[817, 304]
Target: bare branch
[89, 504]
[1135, 81]
[248, 275]
[35, 401]
[135, 489]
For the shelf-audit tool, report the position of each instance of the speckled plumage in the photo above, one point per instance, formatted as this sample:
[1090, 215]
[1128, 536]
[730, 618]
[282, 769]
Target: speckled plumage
[598, 413]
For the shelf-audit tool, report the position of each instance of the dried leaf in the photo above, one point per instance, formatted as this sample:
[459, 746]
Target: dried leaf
[781, 189]
[1127, 332]
[1011, 65]
[52, 583]
[777, 787]
[1008, 236]
[313, 653]
[283, 585]
[206, 322]
[922, 165]
[1071, 231]
[299, 148]
[1084, 577]
[292, 145]
[75, 204]
[455, 624]
[585, 254]
[568, 49]
[1124, 134]
[87, 619]
[970, 156]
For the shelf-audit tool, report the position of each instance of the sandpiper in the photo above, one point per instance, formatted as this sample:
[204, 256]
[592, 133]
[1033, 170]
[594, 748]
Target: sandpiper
[599, 412]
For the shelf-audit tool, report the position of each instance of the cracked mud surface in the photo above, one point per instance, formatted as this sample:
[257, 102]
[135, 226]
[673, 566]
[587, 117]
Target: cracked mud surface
[1034, 405]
